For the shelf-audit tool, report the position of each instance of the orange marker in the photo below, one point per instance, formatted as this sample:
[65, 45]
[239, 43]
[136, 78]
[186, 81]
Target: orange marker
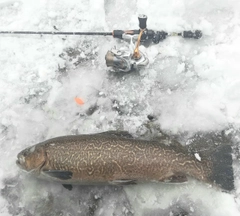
[79, 101]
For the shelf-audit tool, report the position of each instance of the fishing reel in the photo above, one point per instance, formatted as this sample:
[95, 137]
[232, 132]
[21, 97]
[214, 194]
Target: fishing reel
[126, 59]
[121, 60]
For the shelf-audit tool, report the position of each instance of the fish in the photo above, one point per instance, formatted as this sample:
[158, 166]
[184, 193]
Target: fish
[116, 157]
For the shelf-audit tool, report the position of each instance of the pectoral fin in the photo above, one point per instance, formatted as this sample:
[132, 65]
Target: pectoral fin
[123, 182]
[62, 175]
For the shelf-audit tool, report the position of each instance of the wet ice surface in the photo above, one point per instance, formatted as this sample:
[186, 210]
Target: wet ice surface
[190, 87]
[52, 199]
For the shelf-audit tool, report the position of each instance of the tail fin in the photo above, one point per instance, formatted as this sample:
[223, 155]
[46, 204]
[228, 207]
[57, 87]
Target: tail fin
[214, 146]
[222, 170]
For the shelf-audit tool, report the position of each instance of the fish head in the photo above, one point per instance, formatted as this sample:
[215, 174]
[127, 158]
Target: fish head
[31, 159]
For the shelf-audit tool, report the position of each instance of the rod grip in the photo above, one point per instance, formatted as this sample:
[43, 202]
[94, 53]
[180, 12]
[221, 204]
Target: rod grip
[118, 33]
[190, 34]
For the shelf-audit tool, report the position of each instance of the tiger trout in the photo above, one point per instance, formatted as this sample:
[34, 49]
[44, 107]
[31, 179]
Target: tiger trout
[117, 158]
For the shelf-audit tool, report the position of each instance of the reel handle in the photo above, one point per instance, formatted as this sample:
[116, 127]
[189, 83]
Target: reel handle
[142, 21]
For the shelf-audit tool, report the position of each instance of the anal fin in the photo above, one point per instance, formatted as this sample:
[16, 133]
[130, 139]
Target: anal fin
[123, 182]
[176, 178]
[68, 186]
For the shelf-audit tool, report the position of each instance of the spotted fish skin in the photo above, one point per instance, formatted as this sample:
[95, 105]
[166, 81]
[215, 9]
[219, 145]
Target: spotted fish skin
[104, 158]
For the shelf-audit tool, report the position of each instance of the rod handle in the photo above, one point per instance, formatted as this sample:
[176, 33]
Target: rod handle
[190, 34]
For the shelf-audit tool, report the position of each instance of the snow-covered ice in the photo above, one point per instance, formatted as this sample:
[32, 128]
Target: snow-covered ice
[190, 87]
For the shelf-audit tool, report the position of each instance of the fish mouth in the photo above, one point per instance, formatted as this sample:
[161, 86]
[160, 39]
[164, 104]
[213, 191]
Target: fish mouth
[17, 162]
[21, 166]
[20, 161]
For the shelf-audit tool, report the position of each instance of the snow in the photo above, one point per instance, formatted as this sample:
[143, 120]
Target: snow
[190, 86]
[197, 156]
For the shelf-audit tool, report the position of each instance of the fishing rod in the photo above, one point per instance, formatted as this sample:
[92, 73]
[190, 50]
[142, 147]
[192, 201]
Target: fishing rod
[56, 33]
[126, 58]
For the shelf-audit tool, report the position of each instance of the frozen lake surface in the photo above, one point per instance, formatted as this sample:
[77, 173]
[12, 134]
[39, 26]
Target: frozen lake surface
[190, 87]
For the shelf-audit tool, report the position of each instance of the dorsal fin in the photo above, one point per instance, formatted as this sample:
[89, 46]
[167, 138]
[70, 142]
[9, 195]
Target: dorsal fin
[178, 146]
[122, 134]
[171, 143]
